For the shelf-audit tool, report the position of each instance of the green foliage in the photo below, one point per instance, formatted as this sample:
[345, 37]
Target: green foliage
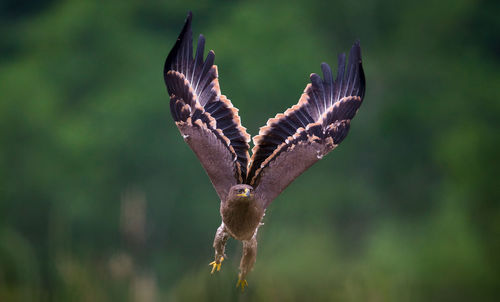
[100, 199]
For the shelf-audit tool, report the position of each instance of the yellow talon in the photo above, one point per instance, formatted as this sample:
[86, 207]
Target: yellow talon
[216, 265]
[242, 284]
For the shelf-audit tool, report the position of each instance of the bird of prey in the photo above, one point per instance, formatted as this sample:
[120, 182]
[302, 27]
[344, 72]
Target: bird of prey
[286, 146]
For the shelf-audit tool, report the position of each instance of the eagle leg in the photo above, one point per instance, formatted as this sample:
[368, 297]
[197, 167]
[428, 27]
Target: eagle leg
[247, 260]
[220, 240]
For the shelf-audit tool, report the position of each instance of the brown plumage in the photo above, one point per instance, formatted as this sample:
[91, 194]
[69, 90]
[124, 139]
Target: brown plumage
[287, 146]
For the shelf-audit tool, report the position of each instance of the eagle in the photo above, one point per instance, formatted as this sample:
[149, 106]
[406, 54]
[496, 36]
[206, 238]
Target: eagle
[284, 148]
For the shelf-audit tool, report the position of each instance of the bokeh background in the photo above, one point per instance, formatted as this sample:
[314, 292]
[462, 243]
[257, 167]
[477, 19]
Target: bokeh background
[101, 200]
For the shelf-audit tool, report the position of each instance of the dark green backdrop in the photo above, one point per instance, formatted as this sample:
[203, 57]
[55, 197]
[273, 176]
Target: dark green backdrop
[101, 200]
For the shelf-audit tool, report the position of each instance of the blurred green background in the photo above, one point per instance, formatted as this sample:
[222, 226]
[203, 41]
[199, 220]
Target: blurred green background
[101, 200]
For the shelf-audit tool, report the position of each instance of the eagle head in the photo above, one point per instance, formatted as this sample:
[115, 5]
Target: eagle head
[241, 192]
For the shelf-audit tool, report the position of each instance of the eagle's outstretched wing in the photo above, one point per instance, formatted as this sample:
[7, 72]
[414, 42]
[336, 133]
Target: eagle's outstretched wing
[291, 142]
[206, 119]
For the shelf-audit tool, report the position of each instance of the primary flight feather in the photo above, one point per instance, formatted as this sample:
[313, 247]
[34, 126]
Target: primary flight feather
[287, 146]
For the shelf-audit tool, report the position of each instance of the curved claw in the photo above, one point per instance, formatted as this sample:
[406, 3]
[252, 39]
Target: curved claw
[215, 265]
[242, 284]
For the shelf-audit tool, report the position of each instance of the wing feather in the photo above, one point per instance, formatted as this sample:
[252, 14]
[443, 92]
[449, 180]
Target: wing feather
[207, 120]
[293, 141]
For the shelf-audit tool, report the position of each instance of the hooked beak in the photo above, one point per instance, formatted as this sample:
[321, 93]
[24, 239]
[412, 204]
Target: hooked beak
[244, 194]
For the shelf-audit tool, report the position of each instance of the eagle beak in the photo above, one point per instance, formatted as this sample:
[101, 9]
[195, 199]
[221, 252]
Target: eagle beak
[244, 194]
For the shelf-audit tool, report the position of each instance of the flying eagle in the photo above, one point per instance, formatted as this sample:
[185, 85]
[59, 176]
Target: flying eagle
[286, 146]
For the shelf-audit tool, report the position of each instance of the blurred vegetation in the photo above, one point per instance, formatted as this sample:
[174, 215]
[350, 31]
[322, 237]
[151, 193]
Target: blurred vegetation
[101, 200]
